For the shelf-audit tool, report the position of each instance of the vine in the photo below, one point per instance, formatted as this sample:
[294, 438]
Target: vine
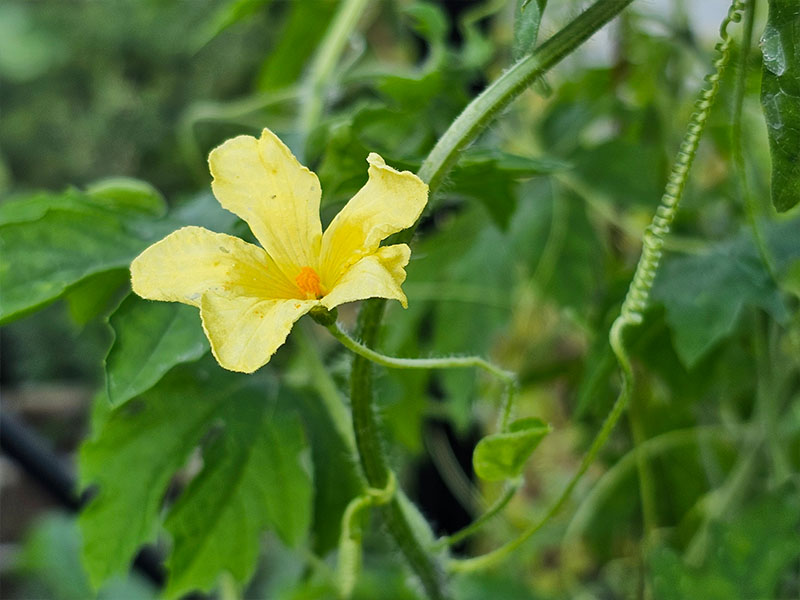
[475, 117]
[638, 293]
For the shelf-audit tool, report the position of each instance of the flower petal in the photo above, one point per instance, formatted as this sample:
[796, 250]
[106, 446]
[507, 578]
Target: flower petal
[192, 260]
[378, 275]
[389, 202]
[261, 181]
[245, 331]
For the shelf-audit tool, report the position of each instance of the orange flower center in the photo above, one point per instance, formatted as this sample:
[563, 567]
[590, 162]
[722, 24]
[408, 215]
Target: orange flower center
[308, 282]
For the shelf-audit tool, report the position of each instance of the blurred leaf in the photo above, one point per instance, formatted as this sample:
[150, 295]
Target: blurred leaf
[203, 210]
[781, 238]
[149, 339]
[253, 477]
[226, 15]
[126, 194]
[479, 586]
[96, 294]
[527, 18]
[52, 241]
[25, 51]
[491, 176]
[336, 476]
[609, 168]
[791, 281]
[554, 236]
[780, 99]
[705, 294]
[583, 109]
[50, 559]
[51, 552]
[432, 24]
[478, 47]
[748, 557]
[142, 444]
[57, 240]
[302, 30]
[502, 456]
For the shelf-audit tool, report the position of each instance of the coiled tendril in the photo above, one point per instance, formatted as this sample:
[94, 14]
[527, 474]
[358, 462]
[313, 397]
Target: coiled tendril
[639, 290]
[653, 242]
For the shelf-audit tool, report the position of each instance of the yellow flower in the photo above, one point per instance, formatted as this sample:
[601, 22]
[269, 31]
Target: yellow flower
[249, 297]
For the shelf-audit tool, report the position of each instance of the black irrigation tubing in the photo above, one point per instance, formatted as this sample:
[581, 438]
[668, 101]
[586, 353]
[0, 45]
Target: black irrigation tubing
[35, 456]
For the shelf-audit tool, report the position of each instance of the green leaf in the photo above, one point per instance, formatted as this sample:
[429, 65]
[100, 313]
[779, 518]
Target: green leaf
[52, 241]
[149, 339]
[704, 295]
[51, 552]
[527, 18]
[780, 99]
[136, 452]
[503, 455]
[254, 476]
[791, 280]
[478, 48]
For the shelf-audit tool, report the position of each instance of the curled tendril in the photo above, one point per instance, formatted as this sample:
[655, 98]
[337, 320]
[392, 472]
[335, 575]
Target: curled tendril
[653, 242]
[639, 291]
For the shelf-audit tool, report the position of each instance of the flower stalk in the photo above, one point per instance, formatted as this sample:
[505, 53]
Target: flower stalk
[449, 362]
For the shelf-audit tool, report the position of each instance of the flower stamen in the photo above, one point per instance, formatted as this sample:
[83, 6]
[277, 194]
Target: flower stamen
[309, 283]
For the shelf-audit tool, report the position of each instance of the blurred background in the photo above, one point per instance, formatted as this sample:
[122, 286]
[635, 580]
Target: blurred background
[525, 260]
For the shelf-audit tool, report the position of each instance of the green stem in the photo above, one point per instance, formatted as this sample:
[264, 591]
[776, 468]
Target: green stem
[490, 513]
[324, 63]
[721, 501]
[498, 555]
[768, 394]
[480, 112]
[373, 459]
[614, 477]
[647, 496]
[450, 362]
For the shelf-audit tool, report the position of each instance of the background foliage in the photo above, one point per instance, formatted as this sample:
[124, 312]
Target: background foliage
[241, 481]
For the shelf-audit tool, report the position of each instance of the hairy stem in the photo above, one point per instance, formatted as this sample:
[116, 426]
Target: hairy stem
[373, 460]
[480, 112]
[450, 362]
